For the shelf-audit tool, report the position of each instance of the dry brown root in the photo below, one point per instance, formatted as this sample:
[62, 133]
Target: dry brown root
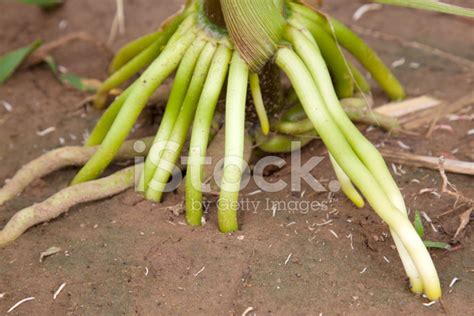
[370, 117]
[39, 55]
[58, 159]
[62, 201]
[429, 162]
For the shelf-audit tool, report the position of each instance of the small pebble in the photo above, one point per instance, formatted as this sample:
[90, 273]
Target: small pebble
[8, 107]
[398, 63]
[62, 24]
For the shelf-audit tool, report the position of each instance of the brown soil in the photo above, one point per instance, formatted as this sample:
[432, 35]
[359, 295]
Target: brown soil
[120, 256]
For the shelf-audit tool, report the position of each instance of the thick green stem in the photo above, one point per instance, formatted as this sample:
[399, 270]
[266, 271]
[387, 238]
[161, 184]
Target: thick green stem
[357, 47]
[173, 107]
[138, 62]
[234, 144]
[200, 133]
[255, 28]
[151, 79]
[177, 138]
[362, 178]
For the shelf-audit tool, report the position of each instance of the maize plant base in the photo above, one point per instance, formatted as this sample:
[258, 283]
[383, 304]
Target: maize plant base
[233, 52]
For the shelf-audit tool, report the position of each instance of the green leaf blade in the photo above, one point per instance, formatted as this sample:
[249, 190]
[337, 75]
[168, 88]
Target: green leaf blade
[69, 79]
[419, 225]
[46, 4]
[431, 5]
[436, 245]
[73, 81]
[12, 60]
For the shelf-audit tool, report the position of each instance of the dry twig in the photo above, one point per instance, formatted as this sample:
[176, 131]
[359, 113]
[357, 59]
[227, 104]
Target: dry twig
[118, 24]
[448, 188]
[41, 53]
[450, 165]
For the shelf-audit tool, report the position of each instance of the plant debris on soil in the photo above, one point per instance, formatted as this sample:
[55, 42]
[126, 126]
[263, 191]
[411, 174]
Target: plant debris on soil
[120, 257]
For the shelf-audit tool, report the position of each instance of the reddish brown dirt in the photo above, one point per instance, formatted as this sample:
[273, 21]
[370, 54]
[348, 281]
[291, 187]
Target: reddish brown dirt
[108, 246]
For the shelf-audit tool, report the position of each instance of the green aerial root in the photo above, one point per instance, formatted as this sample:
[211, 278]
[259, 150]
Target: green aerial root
[346, 184]
[200, 133]
[234, 144]
[309, 52]
[356, 46]
[173, 108]
[280, 144]
[107, 119]
[138, 62]
[258, 102]
[153, 77]
[163, 34]
[178, 136]
[361, 83]
[335, 60]
[362, 178]
[306, 86]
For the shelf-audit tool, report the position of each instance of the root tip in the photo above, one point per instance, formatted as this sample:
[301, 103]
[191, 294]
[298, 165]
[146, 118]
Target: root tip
[100, 100]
